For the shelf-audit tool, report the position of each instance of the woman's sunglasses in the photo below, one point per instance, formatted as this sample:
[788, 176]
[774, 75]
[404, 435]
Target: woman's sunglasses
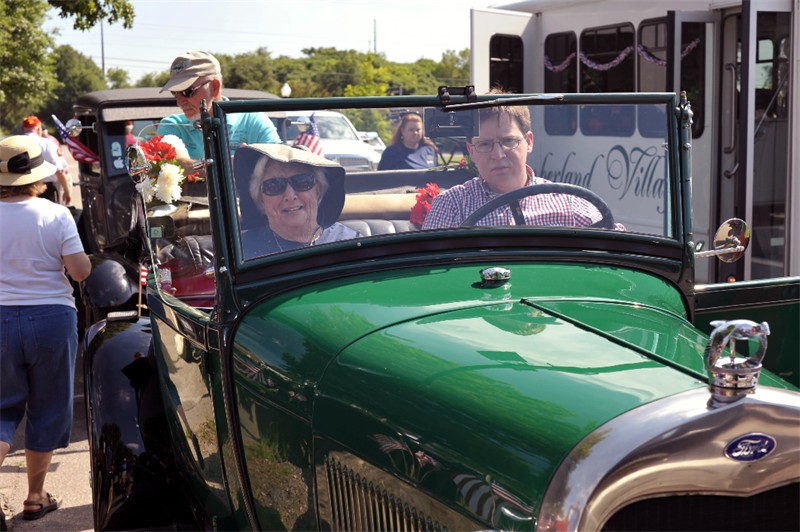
[277, 185]
[187, 93]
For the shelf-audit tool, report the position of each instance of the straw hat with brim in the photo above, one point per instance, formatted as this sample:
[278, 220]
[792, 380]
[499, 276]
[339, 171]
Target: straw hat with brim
[253, 159]
[22, 162]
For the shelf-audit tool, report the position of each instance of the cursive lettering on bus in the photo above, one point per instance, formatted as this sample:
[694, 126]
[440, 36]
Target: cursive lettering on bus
[568, 174]
[639, 172]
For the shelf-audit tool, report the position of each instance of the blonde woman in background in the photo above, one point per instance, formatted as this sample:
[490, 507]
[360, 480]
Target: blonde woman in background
[409, 148]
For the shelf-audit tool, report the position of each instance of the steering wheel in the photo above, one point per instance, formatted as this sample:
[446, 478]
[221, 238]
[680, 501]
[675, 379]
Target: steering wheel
[606, 222]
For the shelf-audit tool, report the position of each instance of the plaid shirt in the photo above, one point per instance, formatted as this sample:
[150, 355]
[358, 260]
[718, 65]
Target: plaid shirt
[452, 207]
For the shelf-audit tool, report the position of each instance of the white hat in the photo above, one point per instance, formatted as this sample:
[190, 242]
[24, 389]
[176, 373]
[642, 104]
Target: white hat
[22, 162]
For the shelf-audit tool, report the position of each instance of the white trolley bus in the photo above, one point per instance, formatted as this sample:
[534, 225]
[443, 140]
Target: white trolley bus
[737, 60]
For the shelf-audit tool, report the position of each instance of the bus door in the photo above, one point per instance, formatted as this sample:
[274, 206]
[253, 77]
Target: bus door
[689, 44]
[755, 98]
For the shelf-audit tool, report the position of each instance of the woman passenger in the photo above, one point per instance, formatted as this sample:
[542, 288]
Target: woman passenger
[300, 194]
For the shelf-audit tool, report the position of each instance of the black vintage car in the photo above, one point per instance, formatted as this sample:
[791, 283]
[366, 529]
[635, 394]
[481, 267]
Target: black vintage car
[108, 223]
[471, 376]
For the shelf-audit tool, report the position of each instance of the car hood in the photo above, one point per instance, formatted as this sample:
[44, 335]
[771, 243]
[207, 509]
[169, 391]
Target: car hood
[457, 381]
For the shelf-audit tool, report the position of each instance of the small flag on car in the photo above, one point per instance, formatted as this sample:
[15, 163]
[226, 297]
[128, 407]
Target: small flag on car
[78, 150]
[143, 275]
[310, 138]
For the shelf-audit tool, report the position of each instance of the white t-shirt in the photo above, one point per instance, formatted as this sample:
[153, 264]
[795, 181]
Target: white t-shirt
[34, 235]
[51, 155]
[61, 161]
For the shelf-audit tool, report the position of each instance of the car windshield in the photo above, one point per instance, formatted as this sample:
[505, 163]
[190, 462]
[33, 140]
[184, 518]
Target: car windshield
[526, 165]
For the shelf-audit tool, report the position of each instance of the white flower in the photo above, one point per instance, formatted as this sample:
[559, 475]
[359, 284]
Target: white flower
[176, 142]
[168, 187]
[146, 188]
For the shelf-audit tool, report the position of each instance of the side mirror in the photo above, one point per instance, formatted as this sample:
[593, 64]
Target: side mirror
[74, 127]
[730, 241]
[137, 164]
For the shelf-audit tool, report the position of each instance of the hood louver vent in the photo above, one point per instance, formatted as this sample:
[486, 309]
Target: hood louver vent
[359, 504]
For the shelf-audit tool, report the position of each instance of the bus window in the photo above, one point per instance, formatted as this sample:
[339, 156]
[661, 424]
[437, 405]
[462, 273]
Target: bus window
[607, 65]
[561, 75]
[652, 63]
[693, 68]
[505, 62]
[560, 53]
[607, 59]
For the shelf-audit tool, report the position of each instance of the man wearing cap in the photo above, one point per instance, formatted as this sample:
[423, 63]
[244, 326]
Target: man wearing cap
[32, 126]
[196, 76]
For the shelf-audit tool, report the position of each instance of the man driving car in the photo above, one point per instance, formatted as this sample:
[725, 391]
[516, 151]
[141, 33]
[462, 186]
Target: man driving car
[500, 154]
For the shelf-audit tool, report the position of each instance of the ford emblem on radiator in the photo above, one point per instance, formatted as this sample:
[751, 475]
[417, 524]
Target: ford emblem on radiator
[750, 447]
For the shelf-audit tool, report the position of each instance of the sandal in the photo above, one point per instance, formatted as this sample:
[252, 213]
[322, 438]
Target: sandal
[48, 504]
[4, 509]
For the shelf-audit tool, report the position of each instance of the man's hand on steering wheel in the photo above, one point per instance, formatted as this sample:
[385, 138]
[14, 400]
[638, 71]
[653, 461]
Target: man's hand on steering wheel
[511, 199]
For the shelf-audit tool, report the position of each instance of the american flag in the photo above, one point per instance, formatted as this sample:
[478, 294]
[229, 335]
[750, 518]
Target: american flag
[310, 138]
[78, 150]
[143, 275]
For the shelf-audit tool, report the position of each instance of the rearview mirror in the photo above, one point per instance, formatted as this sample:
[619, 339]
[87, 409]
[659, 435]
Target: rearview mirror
[440, 123]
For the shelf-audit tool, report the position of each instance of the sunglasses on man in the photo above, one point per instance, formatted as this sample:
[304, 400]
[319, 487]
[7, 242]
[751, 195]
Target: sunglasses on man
[188, 93]
[277, 185]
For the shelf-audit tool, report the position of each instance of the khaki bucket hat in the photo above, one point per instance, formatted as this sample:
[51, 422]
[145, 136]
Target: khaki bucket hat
[22, 162]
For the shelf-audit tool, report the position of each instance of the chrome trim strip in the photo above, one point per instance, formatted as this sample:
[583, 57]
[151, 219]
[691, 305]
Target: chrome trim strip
[674, 446]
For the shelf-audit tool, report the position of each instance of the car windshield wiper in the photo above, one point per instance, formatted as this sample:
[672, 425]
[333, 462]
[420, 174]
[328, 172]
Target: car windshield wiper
[504, 101]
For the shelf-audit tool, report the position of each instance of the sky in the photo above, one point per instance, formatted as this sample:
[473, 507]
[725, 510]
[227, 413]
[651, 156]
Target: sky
[402, 30]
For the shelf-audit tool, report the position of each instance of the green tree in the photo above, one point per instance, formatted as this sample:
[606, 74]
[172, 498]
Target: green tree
[333, 70]
[153, 80]
[88, 13]
[78, 75]
[252, 70]
[453, 69]
[414, 78]
[296, 73]
[373, 75]
[118, 78]
[27, 79]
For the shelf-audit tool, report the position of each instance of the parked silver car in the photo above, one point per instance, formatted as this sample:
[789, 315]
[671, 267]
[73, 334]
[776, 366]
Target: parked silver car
[340, 140]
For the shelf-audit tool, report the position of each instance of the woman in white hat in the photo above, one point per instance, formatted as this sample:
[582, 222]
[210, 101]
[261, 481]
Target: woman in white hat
[38, 318]
[300, 194]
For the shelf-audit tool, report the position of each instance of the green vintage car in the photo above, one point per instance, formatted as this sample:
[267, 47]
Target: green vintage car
[495, 373]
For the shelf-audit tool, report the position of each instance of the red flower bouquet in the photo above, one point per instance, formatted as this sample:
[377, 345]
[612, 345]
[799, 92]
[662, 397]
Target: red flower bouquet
[424, 200]
[166, 175]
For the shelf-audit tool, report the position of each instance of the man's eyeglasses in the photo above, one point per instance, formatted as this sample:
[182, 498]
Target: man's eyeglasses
[277, 185]
[188, 93]
[507, 143]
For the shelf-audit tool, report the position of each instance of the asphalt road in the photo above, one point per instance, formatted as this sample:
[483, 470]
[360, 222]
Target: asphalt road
[69, 474]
